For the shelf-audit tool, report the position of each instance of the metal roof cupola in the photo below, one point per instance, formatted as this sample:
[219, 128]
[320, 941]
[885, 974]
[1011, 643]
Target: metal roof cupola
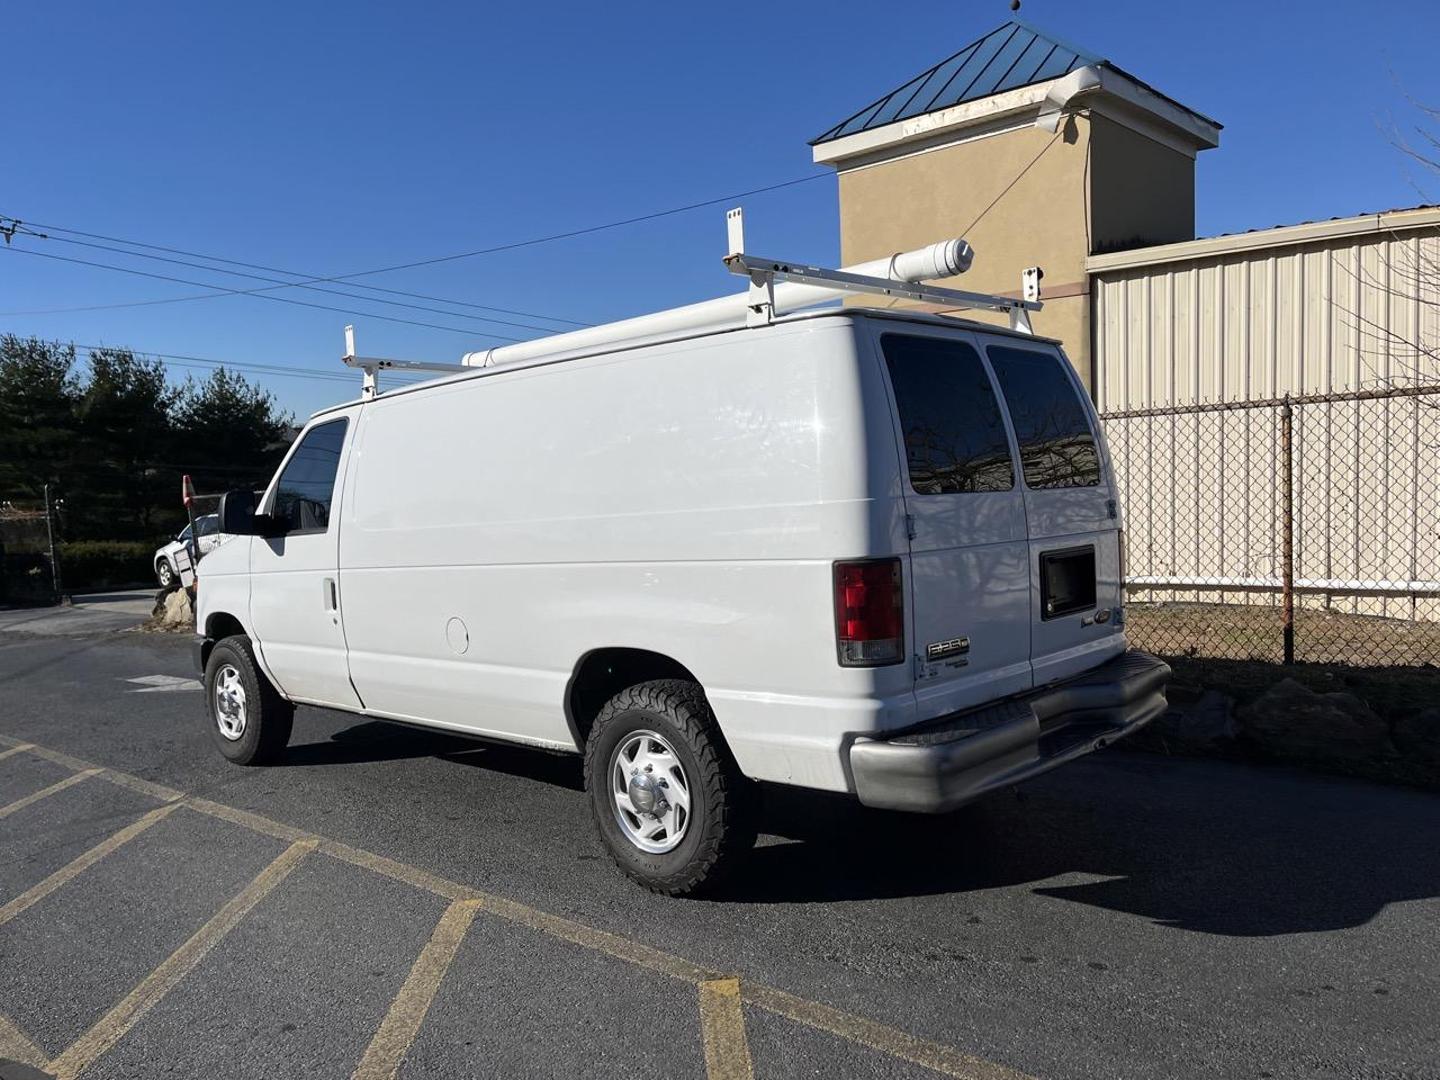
[1008, 57]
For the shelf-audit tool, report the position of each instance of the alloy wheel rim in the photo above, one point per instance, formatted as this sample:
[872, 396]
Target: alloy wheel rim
[649, 792]
[230, 713]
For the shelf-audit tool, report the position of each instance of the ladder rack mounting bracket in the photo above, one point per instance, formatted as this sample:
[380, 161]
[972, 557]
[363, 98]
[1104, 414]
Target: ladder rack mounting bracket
[767, 271]
[371, 366]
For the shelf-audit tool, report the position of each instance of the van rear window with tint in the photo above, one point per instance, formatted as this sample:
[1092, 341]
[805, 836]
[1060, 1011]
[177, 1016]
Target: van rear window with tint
[1057, 447]
[954, 436]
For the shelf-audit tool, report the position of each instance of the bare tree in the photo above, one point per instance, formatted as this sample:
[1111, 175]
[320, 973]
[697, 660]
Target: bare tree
[1408, 271]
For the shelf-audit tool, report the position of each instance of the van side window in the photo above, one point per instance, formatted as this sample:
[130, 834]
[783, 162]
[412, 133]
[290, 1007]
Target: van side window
[1057, 447]
[302, 497]
[954, 437]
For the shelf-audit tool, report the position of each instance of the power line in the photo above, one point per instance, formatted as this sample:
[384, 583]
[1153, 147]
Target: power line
[582, 232]
[467, 331]
[23, 231]
[204, 363]
[498, 248]
[269, 269]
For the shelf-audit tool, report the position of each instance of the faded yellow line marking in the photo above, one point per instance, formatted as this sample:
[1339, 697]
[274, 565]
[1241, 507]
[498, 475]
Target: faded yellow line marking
[18, 749]
[44, 793]
[621, 948]
[15, 1045]
[125, 780]
[75, 868]
[114, 1024]
[942, 1059]
[722, 1031]
[407, 1012]
[410, 875]
[253, 822]
[935, 1056]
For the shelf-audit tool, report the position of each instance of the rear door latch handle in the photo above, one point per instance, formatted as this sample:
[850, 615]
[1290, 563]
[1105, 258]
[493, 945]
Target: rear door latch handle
[332, 601]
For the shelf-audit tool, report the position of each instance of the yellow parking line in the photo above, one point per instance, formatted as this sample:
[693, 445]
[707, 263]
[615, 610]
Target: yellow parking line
[73, 869]
[18, 749]
[934, 1056]
[55, 788]
[410, 875]
[622, 948]
[16, 1046]
[114, 1024]
[134, 783]
[722, 1031]
[407, 1012]
[941, 1059]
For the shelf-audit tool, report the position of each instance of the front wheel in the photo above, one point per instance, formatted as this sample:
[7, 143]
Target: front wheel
[667, 797]
[249, 720]
[165, 573]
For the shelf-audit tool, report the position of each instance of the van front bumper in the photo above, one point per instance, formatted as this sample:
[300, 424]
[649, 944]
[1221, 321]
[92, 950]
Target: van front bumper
[946, 762]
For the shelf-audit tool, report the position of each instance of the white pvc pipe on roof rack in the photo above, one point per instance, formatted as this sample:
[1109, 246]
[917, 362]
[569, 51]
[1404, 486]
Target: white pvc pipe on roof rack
[943, 259]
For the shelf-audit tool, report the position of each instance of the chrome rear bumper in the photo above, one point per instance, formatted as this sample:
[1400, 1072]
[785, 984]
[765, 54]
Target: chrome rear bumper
[947, 762]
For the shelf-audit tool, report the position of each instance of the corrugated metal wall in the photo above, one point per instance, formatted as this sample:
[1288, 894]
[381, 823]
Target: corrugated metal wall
[1202, 493]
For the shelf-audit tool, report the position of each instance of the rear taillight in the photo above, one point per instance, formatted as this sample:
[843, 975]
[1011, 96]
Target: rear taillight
[869, 613]
[1120, 543]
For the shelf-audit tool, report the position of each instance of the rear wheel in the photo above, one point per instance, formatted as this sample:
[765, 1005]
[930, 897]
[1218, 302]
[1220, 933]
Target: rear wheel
[668, 799]
[249, 720]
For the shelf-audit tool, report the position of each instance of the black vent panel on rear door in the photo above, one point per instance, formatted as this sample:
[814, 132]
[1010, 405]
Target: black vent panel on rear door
[1067, 581]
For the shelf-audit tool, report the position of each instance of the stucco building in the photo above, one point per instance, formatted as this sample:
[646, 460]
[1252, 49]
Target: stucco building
[1042, 153]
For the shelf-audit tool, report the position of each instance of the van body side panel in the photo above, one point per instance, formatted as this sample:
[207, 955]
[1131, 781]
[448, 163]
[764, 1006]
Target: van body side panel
[687, 498]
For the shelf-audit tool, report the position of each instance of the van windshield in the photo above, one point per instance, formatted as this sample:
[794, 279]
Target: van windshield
[1057, 447]
[954, 436]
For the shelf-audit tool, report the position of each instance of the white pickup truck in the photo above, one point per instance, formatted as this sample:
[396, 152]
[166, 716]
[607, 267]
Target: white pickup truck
[864, 551]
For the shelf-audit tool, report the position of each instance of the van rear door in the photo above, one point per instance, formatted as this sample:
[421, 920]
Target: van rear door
[969, 584]
[1074, 558]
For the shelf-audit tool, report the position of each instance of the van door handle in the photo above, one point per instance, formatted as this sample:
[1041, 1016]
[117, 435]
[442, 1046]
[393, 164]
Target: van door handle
[332, 600]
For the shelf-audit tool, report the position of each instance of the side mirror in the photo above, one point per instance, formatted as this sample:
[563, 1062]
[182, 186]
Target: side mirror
[237, 513]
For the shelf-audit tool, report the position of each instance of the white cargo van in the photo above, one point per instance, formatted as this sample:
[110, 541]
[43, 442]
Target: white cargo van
[864, 551]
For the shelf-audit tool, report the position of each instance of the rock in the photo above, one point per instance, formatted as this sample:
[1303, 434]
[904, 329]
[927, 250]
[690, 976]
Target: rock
[176, 612]
[1201, 724]
[158, 609]
[1293, 723]
[1417, 738]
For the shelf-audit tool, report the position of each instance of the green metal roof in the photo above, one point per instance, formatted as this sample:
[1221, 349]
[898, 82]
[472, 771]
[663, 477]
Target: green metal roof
[1010, 56]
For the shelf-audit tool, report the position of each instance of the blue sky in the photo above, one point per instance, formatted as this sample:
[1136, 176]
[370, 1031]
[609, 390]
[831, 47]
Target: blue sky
[292, 136]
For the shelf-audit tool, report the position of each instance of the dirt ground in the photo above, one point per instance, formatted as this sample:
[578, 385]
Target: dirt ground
[1254, 633]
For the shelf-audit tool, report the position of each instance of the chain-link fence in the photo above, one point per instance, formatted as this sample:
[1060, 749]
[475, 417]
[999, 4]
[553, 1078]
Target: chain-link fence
[27, 575]
[1294, 529]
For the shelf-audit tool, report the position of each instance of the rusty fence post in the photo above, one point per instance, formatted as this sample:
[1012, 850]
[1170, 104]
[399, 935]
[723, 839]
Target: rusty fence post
[1287, 528]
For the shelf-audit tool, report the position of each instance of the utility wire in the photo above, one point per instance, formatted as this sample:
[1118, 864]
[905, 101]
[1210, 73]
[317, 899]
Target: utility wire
[467, 331]
[205, 363]
[272, 270]
[18, 228]
[512, 246]
[284, 284]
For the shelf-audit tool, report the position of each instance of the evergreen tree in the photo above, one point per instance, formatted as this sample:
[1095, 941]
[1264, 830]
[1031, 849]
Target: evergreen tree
[37, 415]
[231, 432]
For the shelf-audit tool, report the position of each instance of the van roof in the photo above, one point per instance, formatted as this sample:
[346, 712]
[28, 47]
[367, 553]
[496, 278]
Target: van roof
[906, 315]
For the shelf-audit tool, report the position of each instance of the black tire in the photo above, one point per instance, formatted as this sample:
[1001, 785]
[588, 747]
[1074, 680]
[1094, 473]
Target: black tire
[268, 717]
[721, 828]
[165, 573]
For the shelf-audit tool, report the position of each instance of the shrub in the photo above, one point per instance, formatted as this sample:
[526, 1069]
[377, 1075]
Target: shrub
[90, 564]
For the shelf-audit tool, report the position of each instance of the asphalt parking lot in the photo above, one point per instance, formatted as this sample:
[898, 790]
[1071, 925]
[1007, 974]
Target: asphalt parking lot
[392, 902]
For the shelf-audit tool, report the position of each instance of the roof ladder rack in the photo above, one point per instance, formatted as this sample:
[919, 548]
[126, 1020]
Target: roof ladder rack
[371, 366]
[763, 273]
